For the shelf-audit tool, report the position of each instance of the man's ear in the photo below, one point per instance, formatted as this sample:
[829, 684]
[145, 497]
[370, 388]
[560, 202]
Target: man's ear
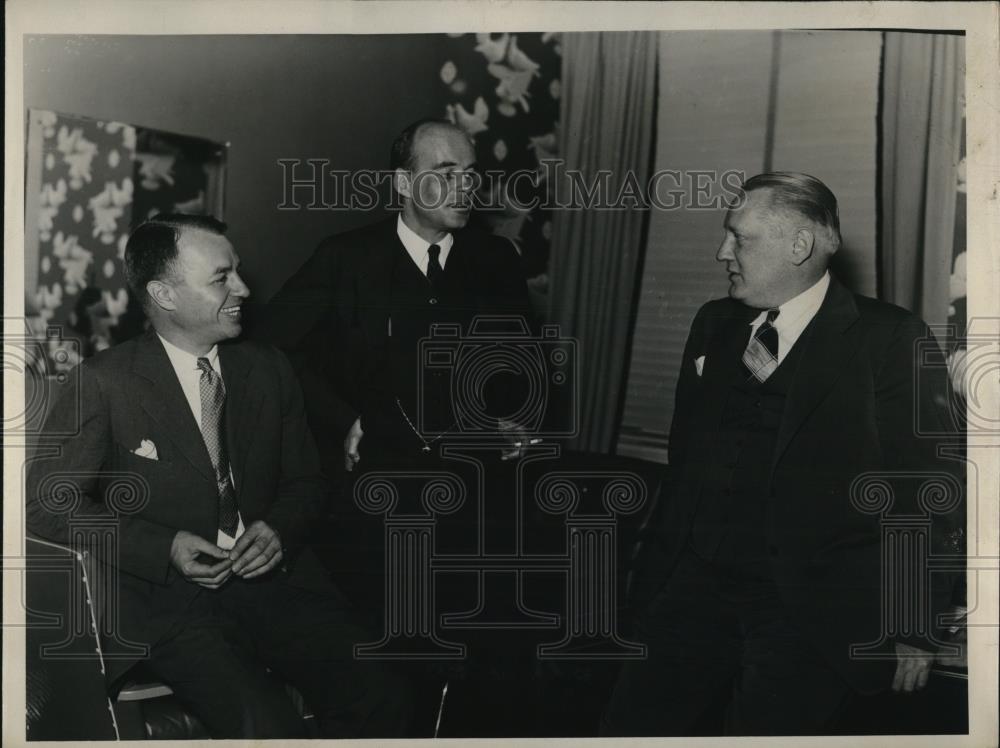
[803, 246]
[162, 295]
[401, 183]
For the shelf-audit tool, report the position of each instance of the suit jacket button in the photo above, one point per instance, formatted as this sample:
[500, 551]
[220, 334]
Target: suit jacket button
[772, 551]
[433, 300]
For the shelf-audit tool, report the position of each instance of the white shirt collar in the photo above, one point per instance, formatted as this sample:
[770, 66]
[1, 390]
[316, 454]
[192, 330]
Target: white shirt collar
[182, 361]
[417, 247]
[795, 315]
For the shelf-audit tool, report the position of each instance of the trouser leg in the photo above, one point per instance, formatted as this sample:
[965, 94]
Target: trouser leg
[209, 663]
[785, 686]
[308, 638]
[693, 652]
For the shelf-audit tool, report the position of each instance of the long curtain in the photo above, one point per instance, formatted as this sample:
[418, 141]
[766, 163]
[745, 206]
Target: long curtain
[923, 80]
[606, 125]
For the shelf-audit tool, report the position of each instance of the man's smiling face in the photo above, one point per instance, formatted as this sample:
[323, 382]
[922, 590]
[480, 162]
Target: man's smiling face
[208, 289]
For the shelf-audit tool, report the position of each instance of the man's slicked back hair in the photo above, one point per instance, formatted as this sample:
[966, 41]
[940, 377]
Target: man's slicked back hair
[151, 250]
[803, 194]
[401, 153]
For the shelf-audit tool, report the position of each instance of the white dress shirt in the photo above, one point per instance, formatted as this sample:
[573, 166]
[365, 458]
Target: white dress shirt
[189, 375]
[794, 315]
[417, 247]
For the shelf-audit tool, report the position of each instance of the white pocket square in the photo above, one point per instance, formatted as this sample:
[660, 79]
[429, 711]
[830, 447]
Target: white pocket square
[699, 364]
[147, 449]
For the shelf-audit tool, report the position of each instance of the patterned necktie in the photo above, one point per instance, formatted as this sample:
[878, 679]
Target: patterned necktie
[213, 405]
[761, 355]
[434, 269]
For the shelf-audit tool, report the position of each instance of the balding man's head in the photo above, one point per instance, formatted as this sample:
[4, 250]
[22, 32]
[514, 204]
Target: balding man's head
[434, 166]
[401, 155]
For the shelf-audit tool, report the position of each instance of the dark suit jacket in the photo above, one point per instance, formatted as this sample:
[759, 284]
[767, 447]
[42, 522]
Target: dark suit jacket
[332, 316]
[129, 394]
[852, 409]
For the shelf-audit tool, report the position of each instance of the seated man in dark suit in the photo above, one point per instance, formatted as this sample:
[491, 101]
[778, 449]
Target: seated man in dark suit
[794, 395]
[214, 576]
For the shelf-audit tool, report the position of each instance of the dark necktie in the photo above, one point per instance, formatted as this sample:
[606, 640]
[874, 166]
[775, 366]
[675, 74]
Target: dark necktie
[434, 269]
[213, 405]
[761, 354]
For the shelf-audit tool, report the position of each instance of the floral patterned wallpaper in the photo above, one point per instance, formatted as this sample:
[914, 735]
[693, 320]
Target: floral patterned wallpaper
[503, 90]
[86, 190]
[96, 181]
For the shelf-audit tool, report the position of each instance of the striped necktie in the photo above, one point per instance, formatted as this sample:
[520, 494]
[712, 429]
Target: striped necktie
[213, 405]
[761, 354]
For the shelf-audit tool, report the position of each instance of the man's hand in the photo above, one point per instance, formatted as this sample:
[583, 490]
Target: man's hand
[351, 442]
[184, 553]
[257, 551]
[913, 666]
[516, 437]
[957, 636]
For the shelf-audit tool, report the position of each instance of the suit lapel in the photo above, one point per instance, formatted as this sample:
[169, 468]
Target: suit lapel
[242, 405]
[829, 343]
[374, 282]
[458, 259]
[722, 361]
[161, 396]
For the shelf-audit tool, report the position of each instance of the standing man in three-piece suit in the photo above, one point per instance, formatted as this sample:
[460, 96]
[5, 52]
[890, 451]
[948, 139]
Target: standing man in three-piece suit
[765, 573]
[352, 317]
[351, 320]
[214, 577]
